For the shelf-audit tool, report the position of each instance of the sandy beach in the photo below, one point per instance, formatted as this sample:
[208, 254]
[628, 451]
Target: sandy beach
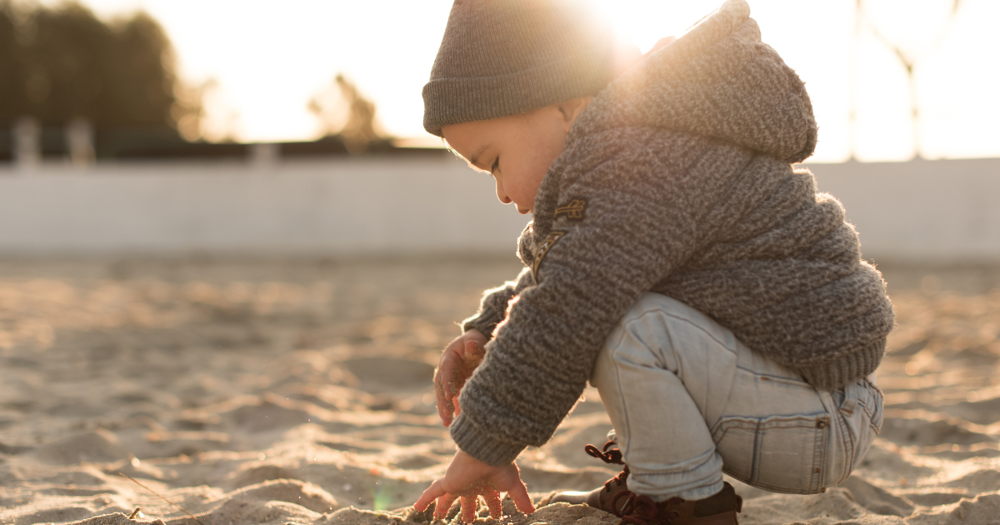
[300, 392]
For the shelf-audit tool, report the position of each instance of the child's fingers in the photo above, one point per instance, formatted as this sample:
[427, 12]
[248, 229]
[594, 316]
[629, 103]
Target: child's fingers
[432, 493]
[470, 504]
[444, 406]
[519, 493]
[492, 497]
[458, 407]
[443, 506]
[439, 393]
[444, 386]
[446, 372]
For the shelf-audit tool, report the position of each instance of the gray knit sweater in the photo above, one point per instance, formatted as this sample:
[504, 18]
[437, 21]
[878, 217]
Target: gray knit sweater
[677, 179]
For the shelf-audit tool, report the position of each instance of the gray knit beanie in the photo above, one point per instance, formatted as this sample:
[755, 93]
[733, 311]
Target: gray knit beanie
[504, 57]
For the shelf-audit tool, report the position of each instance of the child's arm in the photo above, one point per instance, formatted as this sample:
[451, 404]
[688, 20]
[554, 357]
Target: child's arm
[493, 308]
[461, 357]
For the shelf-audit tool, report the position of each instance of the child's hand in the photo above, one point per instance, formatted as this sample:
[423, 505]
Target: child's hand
[458, 361]
[468, 478]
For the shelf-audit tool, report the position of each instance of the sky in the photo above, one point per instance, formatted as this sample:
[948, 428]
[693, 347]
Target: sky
[269, 58]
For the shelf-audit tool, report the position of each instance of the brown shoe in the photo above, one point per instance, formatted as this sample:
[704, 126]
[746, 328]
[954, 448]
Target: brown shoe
[607, 497]
[720, 509]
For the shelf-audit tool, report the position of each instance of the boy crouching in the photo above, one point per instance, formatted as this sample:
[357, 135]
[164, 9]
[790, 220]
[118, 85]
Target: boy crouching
[676, 259]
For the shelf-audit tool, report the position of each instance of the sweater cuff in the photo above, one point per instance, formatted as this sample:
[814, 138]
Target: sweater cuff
[475, 442]
[846, 369]
[485, 322]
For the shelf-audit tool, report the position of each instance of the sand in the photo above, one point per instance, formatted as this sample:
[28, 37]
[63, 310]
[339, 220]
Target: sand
[299, 392]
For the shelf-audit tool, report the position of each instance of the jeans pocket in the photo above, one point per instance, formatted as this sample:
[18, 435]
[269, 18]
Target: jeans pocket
[776, 453]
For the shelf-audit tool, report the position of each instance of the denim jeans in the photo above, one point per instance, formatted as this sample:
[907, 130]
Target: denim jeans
[688, 402]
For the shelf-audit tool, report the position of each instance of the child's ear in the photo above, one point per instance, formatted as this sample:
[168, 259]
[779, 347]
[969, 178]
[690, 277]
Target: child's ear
[572, 108]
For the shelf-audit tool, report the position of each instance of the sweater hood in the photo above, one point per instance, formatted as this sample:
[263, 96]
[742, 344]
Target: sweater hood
[717, 80]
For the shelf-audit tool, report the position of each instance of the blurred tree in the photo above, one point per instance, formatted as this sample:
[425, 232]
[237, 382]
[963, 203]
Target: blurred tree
[62, 63]
[10, 70]
[188, 111]
[347, 115]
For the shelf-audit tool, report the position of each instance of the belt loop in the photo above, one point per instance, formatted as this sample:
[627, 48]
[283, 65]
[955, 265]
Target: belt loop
[850, 399]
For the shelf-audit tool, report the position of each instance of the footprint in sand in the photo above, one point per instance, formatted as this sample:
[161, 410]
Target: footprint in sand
[921, 432]
[384, 373]
[256, 475]
[99, 446]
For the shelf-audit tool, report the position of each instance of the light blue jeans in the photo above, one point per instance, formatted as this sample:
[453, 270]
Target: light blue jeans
[688, 402]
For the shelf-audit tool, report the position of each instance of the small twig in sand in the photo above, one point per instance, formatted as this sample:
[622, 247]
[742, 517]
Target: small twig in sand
[157, 494]
[134, 513]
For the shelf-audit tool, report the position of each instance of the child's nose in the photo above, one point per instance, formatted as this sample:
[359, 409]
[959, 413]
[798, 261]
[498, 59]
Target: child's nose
[501, 194]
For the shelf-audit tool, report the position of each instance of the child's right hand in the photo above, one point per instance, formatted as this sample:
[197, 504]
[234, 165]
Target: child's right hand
[459, 359]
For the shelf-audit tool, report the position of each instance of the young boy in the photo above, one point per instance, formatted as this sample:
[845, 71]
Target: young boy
[676, 260]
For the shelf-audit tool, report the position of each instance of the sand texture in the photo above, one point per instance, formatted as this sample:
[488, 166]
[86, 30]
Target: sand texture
[299, 392]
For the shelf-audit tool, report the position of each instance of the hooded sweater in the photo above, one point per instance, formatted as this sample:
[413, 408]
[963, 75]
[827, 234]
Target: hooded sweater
[677, 179]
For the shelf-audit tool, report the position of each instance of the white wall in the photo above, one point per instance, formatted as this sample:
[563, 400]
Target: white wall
[942, 211]
[920, 211]
[405, 204]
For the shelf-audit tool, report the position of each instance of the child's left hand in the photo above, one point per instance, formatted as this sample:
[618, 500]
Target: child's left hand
[468, 478]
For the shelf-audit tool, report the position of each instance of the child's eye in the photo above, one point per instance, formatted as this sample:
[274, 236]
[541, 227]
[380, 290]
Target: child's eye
[495, 166]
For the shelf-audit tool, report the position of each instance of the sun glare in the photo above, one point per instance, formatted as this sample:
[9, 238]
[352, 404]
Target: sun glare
[851, 67]
[646, 21]
[270, 58]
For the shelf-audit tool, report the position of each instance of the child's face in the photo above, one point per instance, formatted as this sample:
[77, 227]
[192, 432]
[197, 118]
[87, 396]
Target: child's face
[516, 149]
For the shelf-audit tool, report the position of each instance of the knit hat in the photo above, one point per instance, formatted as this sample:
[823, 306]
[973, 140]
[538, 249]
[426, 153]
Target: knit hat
[504, 57]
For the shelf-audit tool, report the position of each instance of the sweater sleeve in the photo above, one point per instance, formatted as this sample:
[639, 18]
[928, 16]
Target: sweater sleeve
[493, 308]
[638, 224]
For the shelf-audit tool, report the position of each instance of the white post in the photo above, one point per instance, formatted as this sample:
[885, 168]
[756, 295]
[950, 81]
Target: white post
[264, 156]
[27, 144]
[80, 137]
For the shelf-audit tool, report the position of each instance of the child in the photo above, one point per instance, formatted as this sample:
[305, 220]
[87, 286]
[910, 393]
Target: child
[676, 260]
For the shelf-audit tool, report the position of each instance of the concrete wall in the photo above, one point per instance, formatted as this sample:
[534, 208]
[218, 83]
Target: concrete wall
[920, 211]
[330, 207]
[942, 211]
